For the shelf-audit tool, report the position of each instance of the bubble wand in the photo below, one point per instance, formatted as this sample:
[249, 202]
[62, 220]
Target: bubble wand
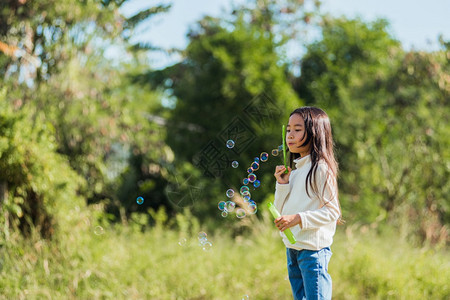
[284, 148]
[275, 214]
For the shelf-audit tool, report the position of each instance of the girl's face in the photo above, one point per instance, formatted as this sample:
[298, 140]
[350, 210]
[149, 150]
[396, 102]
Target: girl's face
[296, 135]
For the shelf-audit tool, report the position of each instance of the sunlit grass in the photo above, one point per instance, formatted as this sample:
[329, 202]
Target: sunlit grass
[128, 263]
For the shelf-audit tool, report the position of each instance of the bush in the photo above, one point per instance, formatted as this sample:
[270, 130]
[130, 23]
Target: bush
[38, 183]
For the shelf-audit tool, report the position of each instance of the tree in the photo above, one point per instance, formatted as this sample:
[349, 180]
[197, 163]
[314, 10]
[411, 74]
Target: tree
[388, 110]
[38, 183]
[230, 85]
[55, 70]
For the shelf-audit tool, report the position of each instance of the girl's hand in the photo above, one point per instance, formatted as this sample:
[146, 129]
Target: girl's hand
[287, 221]
[282, 178]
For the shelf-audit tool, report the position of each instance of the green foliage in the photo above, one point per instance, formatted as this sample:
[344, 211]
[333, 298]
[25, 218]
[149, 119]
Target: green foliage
[70, 111]
[231, 74]
[223, 71]
[144, 15]
[39, 33]
[58, 77]
[372, 267]
[39, 182]
[390, 113]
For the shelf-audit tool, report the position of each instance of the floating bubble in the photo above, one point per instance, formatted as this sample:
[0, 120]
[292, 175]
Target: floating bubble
[98, 230]
[202, 235]
[229, 206]
[207, 246]
[202, 241]
[230, 144]
[275, 152]
[249, 170]
[139, 200]
[251, 177]
[221, 205]
[235, 164]
[240, 213]
[264, 156]
[247, 198]
[252, 208]
[257, 183]
[256, 159]
[246, 193]
[245, 181]
[255, 166]
[182, 242]
[230, 193]
[243, 189]
[280, 148]
[224, 213]
[245, 297]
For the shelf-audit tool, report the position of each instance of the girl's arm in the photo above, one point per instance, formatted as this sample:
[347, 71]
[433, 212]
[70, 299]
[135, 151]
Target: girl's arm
[325, 215]
[329, 210]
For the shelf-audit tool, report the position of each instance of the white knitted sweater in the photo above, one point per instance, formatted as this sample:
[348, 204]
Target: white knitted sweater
[318, 220]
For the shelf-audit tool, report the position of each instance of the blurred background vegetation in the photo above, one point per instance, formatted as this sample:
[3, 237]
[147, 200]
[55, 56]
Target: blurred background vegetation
[83, 135]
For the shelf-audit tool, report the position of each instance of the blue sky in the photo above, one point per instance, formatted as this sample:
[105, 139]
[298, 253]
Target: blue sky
[417, 24]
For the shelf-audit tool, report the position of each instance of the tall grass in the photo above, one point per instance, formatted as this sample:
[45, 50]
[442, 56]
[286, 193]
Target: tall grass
[126, 262]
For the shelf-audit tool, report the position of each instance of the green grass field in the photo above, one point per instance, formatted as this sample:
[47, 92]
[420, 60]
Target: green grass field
[126, 262]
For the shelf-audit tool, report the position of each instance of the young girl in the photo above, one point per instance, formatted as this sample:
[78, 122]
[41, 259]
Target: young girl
[307, 199]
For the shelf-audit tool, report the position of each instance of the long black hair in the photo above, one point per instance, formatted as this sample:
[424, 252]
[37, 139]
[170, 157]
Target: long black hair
[318, 132]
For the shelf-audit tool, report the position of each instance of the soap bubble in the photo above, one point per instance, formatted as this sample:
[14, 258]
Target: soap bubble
[251, 177]
[202, 235]
[224, 213]
[245, 181]
[280, 148]
[230, 193]
[139, 200]
[247, 198]
[235, 164]
[257, 183]
[230, 205]
[207, 246]
[249, 170]
[182, 242]
[202, 240]
[252, 208]
[221, 205]
[230, 144]
[244, 189]
[246, 193]
[98, 230]
[245, 297]
[256, 159]
[275, 152]
[264, 156]
[255, 166]
[240, 213]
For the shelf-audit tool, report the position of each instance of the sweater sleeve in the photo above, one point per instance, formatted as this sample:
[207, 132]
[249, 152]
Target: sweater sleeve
[281, 193]
[329, 210]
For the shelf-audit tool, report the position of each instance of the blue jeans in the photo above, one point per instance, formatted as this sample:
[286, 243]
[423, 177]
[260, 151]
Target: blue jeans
[308, 273]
